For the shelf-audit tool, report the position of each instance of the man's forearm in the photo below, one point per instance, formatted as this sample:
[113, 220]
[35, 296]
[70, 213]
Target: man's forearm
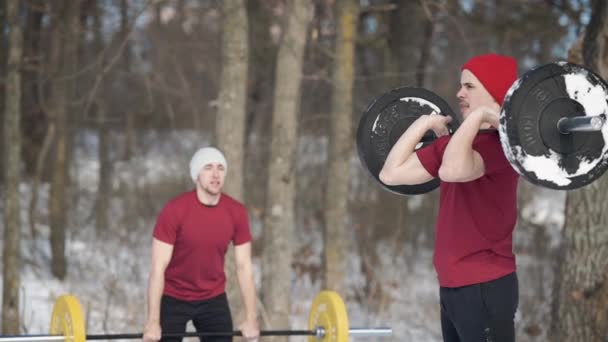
[459, 151]
[247, 285]
[156, 285]
[406, 145]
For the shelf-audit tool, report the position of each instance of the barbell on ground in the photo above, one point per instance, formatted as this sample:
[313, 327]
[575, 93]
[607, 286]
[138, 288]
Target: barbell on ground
[552, 127]
[327, 322]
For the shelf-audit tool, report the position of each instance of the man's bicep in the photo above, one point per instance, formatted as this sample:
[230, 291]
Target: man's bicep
[473, 170]
[161, 253]
[417, 172]
[242, 253]
[409, 173]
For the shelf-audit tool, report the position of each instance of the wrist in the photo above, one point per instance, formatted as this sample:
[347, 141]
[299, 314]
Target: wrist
[150, 322]
[477, 116]
[478, 113]
[424, 121]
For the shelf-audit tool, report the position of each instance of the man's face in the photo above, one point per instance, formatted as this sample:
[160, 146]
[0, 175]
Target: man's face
[211, 178]
[472, 94]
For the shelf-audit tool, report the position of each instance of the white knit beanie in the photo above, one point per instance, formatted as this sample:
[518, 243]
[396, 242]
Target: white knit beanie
[204, 156]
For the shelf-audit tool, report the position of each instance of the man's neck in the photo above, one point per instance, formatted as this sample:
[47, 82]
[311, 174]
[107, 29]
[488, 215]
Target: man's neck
[206, 198]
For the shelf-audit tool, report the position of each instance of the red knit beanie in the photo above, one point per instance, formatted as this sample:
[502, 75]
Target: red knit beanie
[496, 72]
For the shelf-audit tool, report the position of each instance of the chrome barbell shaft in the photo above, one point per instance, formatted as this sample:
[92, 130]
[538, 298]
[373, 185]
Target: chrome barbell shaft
[581, 124]
[199, 334]
[318, 332]
[370, 332]
[36, 338]
[33, 338]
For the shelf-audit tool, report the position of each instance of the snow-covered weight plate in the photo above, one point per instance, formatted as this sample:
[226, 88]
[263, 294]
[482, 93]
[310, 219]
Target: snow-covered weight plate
[386, 119]
[528, 126]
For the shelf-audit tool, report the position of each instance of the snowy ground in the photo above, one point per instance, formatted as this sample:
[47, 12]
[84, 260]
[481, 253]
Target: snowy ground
[109, 275]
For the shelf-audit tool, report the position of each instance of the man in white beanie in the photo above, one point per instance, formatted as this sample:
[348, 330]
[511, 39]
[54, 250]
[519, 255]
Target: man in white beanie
[191, 236]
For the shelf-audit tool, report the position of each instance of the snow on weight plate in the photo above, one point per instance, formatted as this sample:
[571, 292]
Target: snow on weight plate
[528, 126]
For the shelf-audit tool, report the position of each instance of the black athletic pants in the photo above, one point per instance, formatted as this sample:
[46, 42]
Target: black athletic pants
[207, 316]
[480, 313]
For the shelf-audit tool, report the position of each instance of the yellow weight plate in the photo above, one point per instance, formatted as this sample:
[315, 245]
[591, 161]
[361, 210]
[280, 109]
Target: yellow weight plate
[67, 319]
[329, 312]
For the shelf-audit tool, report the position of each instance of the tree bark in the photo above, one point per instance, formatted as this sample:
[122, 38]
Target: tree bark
[66, 18]
[427, 44]
[11, 256]
[279, 214]
[230, 119]
[33, 117]
[104, 185]
[3, 53]
[262, 53]
[58, 172]
[340, 147]
[129, 129]
[580, 308]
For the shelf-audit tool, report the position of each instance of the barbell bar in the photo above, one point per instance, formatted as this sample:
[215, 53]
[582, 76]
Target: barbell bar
[328, 322]
[552, 128]
[318, 333]
[580, 124]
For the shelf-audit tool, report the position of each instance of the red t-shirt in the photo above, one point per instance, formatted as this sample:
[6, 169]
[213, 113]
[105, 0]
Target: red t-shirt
[200, 236]
[474, 229]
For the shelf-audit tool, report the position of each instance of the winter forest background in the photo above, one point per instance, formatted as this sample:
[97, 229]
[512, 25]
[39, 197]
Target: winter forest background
[103, 102]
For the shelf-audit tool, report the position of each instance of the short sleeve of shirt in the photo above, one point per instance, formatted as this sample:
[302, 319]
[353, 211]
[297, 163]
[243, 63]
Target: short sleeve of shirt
[490, 150]
[242, 233]
[430, 156]
[167, 225]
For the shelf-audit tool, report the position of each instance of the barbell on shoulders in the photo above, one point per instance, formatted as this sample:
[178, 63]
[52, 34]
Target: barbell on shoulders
[552, 127]
[327, 322]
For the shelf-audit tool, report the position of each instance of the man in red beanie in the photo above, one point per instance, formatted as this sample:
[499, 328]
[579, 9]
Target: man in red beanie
[473, 255]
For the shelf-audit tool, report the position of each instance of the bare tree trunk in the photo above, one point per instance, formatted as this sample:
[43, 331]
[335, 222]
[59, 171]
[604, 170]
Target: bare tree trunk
[129, 135]
[405, 27]
[430, 201]
[427, 44]
[279, 214]
[11, 256]
[66, 17]
[49, 137]
[35, 122]
[3, 53]
[126, 65]
[124, 34]
[57, 200]
[104, 186]
[262, 54]
[340, 147]
[33, 117]
[230, 120]
[580, 308]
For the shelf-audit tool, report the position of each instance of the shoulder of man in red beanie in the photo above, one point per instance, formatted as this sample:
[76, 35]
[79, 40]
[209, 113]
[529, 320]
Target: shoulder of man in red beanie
[496, 72]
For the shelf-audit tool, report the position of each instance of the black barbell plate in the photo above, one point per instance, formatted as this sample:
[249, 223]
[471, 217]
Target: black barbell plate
[386, 119]
[528, 126]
